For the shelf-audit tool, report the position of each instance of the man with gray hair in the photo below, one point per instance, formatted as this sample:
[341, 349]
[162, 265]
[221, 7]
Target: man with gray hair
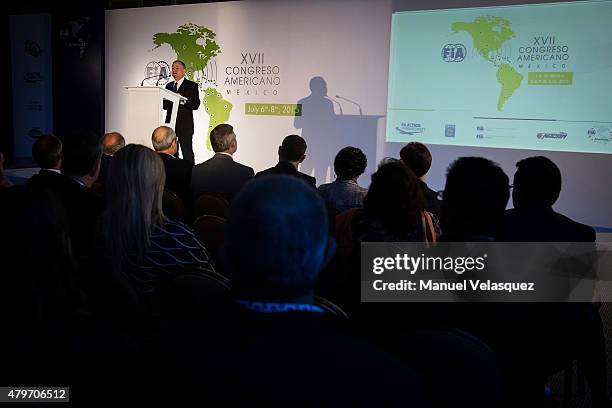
[221, 174]
[111, 143]
[178, 171]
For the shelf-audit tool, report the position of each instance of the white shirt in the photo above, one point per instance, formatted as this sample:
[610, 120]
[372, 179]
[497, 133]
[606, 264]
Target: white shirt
[179, 83]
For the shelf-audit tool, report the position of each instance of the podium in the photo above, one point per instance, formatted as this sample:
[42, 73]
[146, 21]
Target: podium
[145, 112]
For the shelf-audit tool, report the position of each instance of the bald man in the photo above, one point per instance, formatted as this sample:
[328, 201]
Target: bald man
[178, 171]
[111, 143]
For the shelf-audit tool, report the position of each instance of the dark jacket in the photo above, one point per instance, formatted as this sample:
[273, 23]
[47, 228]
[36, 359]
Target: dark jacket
[219, 174]
[184, 117]
[178, 177]
[285, 167]
[542, 225]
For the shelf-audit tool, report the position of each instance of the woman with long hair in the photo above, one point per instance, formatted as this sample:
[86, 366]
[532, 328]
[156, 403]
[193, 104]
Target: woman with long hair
[142, 243]
[394, 208]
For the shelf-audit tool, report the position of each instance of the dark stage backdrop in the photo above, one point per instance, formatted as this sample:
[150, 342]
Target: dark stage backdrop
[78, 76]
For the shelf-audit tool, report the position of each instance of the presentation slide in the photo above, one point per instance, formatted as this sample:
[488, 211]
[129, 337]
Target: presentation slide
[535, 77]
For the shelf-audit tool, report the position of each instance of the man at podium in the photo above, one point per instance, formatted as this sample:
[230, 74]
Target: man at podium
[184, 117]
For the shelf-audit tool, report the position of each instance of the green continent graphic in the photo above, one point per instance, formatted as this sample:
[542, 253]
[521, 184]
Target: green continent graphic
[217, 108]
[510, 81]
[489, 33]
[187, 44]
[195, 46]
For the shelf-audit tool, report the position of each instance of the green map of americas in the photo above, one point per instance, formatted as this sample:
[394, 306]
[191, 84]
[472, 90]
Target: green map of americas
[489, 33]
[195, 46]
[217, 108]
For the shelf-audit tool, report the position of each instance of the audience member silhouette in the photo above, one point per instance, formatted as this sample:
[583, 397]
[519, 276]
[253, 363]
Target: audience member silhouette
[277, 243]
[178, 171]
[141, 242]
[290, 154]
[111, 143]
[393, 211]
[474, 200]
[47, 153]
[345, 193]
[575, 329]
[221, 174]
[39, 289]
[537, 185]
[417, 157]
[81, 154]
[394, 208]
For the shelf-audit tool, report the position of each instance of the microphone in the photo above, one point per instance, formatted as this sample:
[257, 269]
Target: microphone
[151, 77]
[164, 77]
[337, 103]
[353, 102]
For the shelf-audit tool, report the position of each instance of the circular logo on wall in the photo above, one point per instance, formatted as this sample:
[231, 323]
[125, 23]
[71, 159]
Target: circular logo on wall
[32, 48]
[157, 72]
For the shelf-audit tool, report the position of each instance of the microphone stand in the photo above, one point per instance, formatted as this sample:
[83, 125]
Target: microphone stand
[353, 102]
[337, 103]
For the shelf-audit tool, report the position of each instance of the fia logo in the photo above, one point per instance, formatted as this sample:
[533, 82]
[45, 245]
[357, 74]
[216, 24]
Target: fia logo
[453, 52]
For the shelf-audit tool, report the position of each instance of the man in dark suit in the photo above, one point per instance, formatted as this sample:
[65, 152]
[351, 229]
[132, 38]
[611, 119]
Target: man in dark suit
[290, 154]
[221, 174]
[178, 171]
[537, 185]
[47, 153]
[111, 143]
[81, 155]
[417, 157]
[184, 117]
[575, 327]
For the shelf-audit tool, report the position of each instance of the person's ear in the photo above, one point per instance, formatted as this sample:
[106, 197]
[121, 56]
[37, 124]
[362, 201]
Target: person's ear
[302, 158]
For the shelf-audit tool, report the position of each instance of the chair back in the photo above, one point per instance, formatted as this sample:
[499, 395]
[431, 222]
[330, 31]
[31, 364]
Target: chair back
[173, 206]
[196, 298]
[465, 370]
[330, 307]
[210, 229]
[211, 204]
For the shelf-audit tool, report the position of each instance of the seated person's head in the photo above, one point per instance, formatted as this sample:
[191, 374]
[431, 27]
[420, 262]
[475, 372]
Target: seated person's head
[350, 163]
[47, 152]
[81, 154]
[277, 240]
[475, 197]
[112, 142]
[164, 140]
[394, 198]
[293, 149]
[223, 139]
[537, 183]
[417, 157]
